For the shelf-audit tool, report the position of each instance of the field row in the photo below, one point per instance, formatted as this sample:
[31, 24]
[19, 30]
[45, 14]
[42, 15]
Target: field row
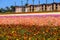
[31, 20]
[34, 32]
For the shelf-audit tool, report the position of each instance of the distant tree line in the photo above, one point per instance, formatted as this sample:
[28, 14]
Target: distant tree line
[7, 9]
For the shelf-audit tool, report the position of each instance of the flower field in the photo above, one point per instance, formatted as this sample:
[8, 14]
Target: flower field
[34, 32]
[30, 27]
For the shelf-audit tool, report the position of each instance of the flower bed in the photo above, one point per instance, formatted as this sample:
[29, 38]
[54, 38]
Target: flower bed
[30, 27]
[34, 32]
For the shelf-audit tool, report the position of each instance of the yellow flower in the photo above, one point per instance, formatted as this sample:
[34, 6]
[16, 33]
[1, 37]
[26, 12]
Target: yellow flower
[17, 39]
[7, 39]
[13, 31]
[34, 34]
[46, 30]
[43, 32]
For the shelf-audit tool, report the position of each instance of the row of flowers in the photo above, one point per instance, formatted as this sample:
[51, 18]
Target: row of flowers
[27, 32]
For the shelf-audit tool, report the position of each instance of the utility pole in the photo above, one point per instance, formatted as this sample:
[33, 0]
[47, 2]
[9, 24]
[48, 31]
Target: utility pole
[22, 2]
[46, 1]
[22, 5]
[15, 3]
[27, 2]
[59, 1]
[39, 1]
[33, 2]
[46, 6]
[53, 6]
[33, 6]
[53, 1]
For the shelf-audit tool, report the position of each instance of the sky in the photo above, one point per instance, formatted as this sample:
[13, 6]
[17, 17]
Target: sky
[8, 3]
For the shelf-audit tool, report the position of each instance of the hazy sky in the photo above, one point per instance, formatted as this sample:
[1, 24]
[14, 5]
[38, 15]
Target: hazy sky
[5, 3]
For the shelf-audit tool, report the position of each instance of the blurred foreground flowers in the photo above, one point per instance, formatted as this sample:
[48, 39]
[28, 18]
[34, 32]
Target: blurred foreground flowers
[27, 32]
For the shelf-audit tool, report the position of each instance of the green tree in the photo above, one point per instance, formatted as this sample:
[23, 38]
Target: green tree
[8, 9]
[2, 10]
[12, 8]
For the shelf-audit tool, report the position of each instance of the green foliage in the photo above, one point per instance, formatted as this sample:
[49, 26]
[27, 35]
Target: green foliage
[7, 9]
[33, 38]
[3, 38]
[22, 31]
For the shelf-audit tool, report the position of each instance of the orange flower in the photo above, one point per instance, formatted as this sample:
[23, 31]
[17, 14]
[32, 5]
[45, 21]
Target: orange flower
[14, 34]
[46, 30]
